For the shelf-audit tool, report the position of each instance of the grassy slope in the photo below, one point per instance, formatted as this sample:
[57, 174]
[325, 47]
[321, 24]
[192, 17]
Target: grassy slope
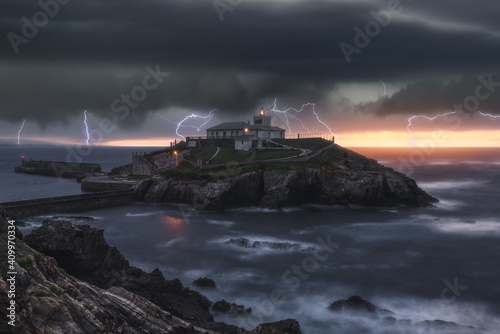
[186, 171]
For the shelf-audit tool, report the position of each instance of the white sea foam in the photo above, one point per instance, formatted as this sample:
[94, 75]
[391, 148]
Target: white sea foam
[171, 243]
[267, 245]
[143, 214]
[224, 223]
[474, 228]
[451, 184]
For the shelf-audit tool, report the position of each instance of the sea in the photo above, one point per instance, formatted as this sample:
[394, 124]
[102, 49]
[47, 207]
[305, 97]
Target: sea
[423, 264]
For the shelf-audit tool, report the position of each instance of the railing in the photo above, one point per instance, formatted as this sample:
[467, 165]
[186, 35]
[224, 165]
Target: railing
[327, 136]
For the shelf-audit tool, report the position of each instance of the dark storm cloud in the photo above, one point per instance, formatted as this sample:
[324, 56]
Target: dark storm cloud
[468, 94]
[91, 52]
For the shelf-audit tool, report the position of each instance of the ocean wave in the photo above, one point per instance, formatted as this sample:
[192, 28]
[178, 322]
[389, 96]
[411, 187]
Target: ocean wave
[143, 214]
[220, 222]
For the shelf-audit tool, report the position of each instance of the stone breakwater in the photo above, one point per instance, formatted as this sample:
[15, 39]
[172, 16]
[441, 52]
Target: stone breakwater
[63, 204]
[57, 168]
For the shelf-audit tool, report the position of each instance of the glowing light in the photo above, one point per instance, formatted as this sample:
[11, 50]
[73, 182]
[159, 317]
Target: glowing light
[385, 88]
[422, 116]
[441, 115]
[87, 140]
[19, 132]
[287, 114]
[179, 125]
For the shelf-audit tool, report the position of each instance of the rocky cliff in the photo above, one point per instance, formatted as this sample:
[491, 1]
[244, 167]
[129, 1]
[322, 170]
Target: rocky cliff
[51, 300]
[347, 178]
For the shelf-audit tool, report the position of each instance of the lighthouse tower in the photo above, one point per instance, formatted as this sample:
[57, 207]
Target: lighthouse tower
[262, 119]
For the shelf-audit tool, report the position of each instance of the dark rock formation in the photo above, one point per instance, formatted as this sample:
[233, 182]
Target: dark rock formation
[84, 253]
[121, 170]
[357, 304]
[204, 282]
[288, 326]
[349, 178]
[245, 243]
[223, 306]
[49, 300]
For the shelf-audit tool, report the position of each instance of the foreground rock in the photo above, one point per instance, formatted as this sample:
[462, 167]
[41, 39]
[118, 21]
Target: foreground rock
[288, 326]
[245, 243]
[348, 178]
[84, 253]
[205, 282]
[358, 306]
[49, 300]
[224, 307]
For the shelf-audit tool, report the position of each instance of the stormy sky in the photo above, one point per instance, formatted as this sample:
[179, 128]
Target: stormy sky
[126, 61]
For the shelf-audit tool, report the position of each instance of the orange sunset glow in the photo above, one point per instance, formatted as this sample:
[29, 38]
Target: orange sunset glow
[473, 138]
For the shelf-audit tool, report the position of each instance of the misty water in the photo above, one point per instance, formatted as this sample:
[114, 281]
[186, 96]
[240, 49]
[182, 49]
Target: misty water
[421, 263]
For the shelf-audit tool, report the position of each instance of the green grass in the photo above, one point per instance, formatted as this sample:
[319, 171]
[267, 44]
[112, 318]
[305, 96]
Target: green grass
[187, 171]
[88, 307]
[71, 278]
[229, 154]
[204, 153]
[313, 144]
[55, 290]
[328, 156]
[26, 263]
[40, 293]
[38, 256]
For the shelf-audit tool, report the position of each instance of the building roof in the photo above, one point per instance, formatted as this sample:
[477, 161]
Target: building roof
[230, 126]
[242, 125]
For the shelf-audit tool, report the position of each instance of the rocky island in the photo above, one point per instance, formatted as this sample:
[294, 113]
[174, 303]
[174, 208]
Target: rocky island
[334, 176]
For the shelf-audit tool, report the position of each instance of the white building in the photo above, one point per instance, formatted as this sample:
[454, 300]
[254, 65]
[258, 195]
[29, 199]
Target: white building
[244, 143]
[260, 128]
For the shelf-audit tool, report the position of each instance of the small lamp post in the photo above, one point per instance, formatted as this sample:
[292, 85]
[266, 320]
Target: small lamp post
[176, 157]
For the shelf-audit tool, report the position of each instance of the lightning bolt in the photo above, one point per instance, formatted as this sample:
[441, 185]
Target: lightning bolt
[19, 132]
[385, 88]
[180, 124]
[87, 141]
[437, 116]
[489, 115]
[427, 118]
[287, 114]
